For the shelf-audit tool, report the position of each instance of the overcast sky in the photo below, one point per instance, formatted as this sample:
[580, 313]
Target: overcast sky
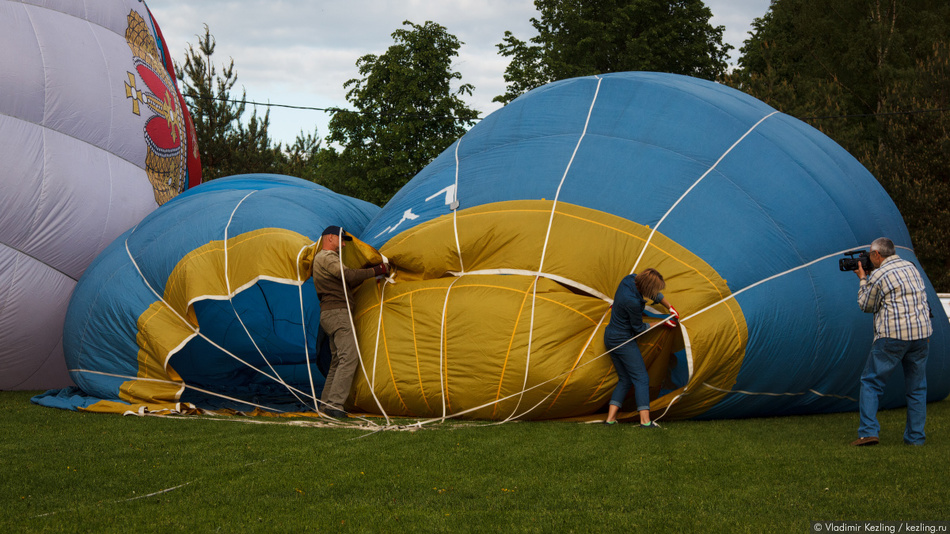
[300, 52]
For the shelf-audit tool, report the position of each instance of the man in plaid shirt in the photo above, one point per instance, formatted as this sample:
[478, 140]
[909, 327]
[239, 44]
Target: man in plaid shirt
[895, 294]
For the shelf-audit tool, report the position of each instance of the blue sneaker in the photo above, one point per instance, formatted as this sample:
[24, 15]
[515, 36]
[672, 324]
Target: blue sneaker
[651, 424]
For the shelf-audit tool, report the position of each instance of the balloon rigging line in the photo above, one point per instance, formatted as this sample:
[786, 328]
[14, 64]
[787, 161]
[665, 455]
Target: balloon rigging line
[682, 320]
[379, 330]
[123, 500]
[157, 492]
[680, 199]
[525, 272]
[443, 374]
[303, 327]
[227, 284]
[568, 375]
[527, 389]
[580, 355]
[547, 238]
[349, 316]
[764, 280]
[178, 410]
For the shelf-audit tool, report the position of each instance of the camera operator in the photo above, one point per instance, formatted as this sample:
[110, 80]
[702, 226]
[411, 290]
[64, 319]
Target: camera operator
[894, 293]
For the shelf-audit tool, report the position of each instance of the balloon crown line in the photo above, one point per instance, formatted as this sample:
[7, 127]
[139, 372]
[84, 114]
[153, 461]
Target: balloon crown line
[426, 115]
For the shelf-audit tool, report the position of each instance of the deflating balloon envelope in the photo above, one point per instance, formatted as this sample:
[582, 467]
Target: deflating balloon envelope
[512, 242]
[207, 301]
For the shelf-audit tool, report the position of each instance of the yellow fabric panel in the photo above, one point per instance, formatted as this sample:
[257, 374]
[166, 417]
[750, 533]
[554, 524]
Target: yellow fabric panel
[488, 317]
[160, 331]
[267, 252]
[481, 354]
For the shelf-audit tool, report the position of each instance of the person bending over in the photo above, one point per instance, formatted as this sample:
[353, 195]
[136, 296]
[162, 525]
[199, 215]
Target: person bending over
[626, 321]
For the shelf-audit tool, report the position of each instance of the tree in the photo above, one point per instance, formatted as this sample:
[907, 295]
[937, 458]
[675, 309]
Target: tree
[859, 70]
[227, 146]
[300, 159]
[914, 156]
[830, 59]
[406, 113]
[584, 37]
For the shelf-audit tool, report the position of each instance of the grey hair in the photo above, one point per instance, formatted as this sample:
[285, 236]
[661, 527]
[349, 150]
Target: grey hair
[884, 246]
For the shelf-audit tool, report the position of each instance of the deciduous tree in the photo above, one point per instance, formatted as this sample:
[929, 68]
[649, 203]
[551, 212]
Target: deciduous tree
[407, 110]
[914, 157]
[860, 71]
[585, 37]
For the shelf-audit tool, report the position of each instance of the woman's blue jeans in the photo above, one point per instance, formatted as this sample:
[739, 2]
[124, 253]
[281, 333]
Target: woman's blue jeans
[886, 354]
[631, 372]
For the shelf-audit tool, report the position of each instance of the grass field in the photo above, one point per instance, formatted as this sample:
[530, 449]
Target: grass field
[72, 472]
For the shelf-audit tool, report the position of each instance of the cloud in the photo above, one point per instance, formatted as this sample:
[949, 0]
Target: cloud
[300, 52]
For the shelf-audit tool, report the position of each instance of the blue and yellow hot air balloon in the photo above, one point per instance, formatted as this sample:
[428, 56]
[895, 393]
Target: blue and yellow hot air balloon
[206, 303]
[510, 246]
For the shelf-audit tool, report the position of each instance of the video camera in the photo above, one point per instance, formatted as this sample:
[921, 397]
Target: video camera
[851, 263]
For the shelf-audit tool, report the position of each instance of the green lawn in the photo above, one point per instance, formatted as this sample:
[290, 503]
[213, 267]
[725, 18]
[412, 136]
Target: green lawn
[72, 472]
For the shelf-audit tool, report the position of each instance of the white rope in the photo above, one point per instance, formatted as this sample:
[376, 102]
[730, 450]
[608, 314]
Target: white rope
[558, 377]
[227, 284]
[349, 315]
[303, 326]
[156, 493]
[686, 340]
[184, 321]
[182, 384]
[680, 199]
[547, 237]
[580, 355]
[760, 282]
[525, 272]
[379, 330]
[205, 391]
[442, 377]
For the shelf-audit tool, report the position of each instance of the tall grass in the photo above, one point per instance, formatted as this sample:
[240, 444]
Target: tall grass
[72, 472]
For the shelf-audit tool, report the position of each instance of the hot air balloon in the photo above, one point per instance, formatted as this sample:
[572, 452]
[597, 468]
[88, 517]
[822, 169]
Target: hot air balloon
[206, 303]
[510, 246]
[94, 135]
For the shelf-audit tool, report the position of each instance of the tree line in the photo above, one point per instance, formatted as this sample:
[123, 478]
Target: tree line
[874, 75]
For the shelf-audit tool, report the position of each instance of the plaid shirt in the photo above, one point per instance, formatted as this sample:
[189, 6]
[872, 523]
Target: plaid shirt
[895, 293]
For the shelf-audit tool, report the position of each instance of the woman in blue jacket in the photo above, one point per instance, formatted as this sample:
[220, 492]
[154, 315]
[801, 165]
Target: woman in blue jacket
[626, 322]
